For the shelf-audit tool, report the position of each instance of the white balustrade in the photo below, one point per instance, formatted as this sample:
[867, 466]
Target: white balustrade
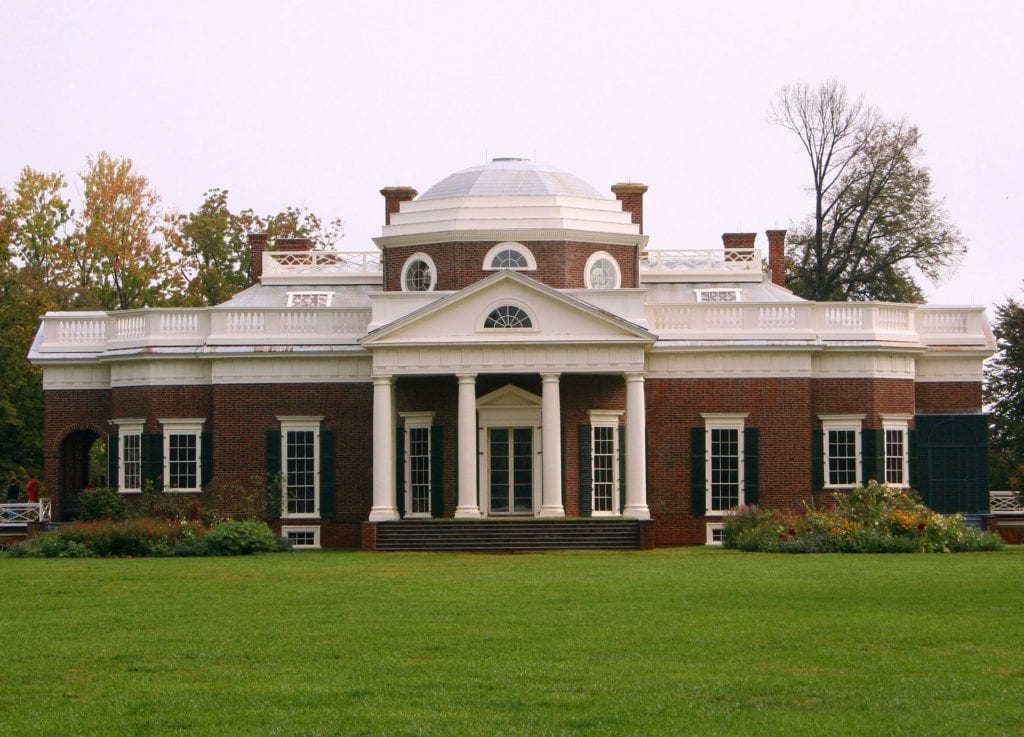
[700, 260]
[1005, 502]
[19, 515]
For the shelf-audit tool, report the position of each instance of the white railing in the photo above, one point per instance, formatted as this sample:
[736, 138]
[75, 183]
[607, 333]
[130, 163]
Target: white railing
[713, 260]
[954, 326]
[312, 267]
[284, 325]
[19, 515]
[1005, 502]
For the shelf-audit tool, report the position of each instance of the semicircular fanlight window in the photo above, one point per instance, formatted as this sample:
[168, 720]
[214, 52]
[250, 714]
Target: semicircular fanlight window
[508, 316]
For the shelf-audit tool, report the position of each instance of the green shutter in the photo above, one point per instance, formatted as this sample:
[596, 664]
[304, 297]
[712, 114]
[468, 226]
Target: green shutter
[153, 458]
[272, 458]
[817, 458]
[400, 471]
[698, 473]
[622, 468]
[112, 461]
[751, 467]
[872, 455]
[437, 471]
[586, 473]
[912, 474]
[206, 458]
[328, 472]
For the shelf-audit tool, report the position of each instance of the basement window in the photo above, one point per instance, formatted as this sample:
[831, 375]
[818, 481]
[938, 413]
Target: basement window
[718, 295]
[302, 537]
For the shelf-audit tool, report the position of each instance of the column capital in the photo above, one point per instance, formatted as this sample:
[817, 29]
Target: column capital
[550, 377]
[383, 378]
[466, 378]
[634, 376]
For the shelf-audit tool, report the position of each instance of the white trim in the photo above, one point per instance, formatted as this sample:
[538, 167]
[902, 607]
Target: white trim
[126, 427]
[839, 423]
[315, 529]
[183, 426]
[531, 262]
[710, 529]
[896, 423]
[430, 265]
[704, 295]
[513, 408]
[724, 421]
[530, 314]
[299, 423]
[593, 259]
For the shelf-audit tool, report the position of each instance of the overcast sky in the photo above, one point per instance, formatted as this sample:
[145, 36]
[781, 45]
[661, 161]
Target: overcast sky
[323, 103]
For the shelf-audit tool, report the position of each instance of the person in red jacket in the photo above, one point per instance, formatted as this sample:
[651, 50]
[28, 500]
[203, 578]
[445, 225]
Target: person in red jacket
[33, 491]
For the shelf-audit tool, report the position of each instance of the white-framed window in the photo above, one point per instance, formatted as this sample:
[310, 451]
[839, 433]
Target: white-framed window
[183, 454]
[718, 295]
[302, 537]
[129, 461]
[895, 431]
[510, 255]
[310, 299]
[723, 443]
[419, 274]
[300, 466]
[508, 316]
[417, 463]
[602, 272]
[604, 460]
[715, 534]
[842, 445]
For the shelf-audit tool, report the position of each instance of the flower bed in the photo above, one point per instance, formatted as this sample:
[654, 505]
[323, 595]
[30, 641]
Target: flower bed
[869, 519]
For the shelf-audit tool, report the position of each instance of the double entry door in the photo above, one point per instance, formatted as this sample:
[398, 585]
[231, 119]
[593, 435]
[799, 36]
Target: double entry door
[510, 470]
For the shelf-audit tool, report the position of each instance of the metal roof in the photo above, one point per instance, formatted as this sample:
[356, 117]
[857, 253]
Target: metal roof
[510, 176]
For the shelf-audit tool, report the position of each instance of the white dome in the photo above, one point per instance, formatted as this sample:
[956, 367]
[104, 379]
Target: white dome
[510, 176]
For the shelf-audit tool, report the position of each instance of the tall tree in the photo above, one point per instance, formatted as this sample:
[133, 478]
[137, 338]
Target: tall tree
[1004, 393]
[119, 260]
[875, 218]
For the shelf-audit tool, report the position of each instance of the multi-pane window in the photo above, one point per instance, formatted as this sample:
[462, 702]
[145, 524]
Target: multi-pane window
[604, 459]
[310, 299]
[717, 295]
[724, 468]
[842, 452]
[183, 461]
[419, 274]
[182, 454]
[131, 461]
[508, 316]
[419, 470]
[509, 255]
[895, 431]
[300, 477]
[601, 272]
[302, 537]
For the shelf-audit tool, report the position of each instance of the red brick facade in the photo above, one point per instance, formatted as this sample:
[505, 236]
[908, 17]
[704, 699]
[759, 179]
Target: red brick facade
[560, 264]
[948, 397]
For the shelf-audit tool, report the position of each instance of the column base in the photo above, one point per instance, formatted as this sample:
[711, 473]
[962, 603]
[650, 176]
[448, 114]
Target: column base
[468, 513]
[637, 511]
[552, 511]
[383, 514]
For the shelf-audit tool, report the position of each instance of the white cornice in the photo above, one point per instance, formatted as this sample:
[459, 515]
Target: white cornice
[520, 235]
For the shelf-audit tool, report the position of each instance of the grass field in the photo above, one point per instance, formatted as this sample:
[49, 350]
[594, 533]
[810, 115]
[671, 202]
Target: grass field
[665, 642]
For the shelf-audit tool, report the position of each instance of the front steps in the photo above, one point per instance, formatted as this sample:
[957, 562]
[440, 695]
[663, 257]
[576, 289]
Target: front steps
[509, 535]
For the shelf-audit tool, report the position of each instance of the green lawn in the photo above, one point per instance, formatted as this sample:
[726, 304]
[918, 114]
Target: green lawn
[666, 642]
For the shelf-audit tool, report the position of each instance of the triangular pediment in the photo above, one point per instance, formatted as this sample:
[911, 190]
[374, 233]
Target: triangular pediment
[508, 396]
[461, 318]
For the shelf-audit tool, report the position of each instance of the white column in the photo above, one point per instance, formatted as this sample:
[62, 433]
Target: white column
[384, 508]
[636, 449]
[551, 450]
[468, 506]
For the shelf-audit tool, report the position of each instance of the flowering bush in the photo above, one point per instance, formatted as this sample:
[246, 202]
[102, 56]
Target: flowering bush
[869, 519]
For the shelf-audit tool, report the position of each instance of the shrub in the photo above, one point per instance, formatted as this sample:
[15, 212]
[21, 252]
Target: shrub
[870, 519]
[242, 538]
[50, 545]
[102, 503]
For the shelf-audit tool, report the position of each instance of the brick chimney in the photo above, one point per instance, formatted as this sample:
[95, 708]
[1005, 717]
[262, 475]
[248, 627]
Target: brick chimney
[293, 244]
[393, 197]
[257, 244]
[737, 240]
[631, 195]
[777, 256]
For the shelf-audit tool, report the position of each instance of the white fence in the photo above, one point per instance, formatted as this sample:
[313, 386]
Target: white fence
[1005, 502]
[19, 515]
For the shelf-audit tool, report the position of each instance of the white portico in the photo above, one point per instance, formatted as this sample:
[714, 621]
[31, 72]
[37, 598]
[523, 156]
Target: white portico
[509, 440]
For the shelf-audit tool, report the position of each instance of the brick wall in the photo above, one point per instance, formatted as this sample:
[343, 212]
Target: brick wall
[947, 397]
[560, 264]
[870, 397]
[66, 411]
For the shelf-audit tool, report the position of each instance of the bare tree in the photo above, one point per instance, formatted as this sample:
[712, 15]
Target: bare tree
[875, 218]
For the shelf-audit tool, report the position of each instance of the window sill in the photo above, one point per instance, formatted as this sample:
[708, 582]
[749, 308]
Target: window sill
[129, 491]
[183, 491]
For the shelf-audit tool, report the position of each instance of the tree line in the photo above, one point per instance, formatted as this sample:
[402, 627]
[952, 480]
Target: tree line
[115, 249]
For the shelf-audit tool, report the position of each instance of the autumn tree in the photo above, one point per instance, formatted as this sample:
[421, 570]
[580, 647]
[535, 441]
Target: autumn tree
[1004, 394]
[119, 260]
[875, 219]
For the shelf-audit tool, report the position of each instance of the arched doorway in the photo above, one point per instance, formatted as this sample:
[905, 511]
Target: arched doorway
[77, 469]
